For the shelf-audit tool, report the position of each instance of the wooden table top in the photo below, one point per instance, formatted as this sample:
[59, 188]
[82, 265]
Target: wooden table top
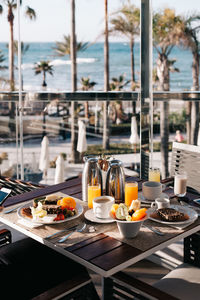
[104, 251]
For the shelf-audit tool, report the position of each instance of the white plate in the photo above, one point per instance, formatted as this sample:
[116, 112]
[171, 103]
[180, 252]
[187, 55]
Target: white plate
[79, 209]
[90, 216]
[183, 209]
[144, 200]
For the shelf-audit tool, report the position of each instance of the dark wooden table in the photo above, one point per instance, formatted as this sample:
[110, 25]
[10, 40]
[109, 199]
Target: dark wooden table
[101, 252]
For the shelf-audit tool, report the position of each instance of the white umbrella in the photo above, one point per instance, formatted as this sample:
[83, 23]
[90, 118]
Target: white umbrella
[198, 139]
[44, 156]
[59, 173]
[134, 138]
[82, 142]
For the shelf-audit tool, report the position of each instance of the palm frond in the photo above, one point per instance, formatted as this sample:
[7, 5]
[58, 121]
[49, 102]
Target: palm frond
[63, 48]
[86, 84]
[30, 13]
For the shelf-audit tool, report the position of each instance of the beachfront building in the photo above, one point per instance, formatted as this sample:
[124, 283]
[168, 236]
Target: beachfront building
[136, 68]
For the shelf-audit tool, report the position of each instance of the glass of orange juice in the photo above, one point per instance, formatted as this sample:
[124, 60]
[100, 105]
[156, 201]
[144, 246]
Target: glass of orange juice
[93, 192]
[131, 192]
[154, 174]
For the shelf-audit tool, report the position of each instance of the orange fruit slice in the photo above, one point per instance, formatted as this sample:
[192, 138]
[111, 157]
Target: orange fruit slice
[113, 209]
[139, 214]
[67, 202]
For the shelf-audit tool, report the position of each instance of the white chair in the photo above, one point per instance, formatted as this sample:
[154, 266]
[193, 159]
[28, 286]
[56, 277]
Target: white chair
[182, 283]
[186, 158]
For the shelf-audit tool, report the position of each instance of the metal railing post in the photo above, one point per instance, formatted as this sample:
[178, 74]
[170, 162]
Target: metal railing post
[146, 100]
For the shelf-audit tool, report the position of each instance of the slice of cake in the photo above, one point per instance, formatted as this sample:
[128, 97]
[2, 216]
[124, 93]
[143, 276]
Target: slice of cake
[171, 215]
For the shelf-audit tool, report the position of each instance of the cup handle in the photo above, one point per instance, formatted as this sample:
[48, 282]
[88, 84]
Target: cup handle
[163, 187]
[153, 205]
[96, 210]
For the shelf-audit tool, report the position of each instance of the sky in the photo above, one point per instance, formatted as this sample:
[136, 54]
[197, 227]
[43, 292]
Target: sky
[53, 18]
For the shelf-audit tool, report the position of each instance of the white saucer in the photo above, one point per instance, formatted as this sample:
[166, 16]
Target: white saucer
[144, 200]
[89, 215]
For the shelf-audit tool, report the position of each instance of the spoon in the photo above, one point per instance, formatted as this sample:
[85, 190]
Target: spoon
[79, 228]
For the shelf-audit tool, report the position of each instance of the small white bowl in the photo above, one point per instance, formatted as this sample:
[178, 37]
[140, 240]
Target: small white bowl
[130, 229]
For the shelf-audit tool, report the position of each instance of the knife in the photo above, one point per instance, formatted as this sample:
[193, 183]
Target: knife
[156, 230]
[10, 210]
[60, 231]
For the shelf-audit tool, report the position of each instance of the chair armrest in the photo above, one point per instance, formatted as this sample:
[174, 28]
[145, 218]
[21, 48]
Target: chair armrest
[5, 237]
[192, 249]
[137, 288]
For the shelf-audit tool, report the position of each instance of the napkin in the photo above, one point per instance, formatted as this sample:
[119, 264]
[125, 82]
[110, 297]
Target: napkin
[28, 223]
[182, 226]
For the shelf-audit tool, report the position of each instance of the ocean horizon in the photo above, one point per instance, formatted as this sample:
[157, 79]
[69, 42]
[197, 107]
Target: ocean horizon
[90, 63]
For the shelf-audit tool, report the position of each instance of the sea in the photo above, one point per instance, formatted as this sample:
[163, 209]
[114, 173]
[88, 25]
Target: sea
[90, 63]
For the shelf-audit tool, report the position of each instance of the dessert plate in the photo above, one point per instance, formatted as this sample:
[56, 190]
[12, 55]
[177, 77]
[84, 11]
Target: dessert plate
[144, 200]
[90, 216]
[183, 209]
[49, 219]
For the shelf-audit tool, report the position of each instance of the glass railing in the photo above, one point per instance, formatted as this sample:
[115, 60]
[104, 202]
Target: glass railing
[50, 114]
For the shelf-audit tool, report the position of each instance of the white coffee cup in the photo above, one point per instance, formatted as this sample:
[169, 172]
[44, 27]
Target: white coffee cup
[161, 203]
[102, 206]
[152, 189]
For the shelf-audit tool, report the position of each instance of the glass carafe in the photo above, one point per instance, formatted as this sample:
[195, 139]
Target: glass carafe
[91, 176]
[115, 181]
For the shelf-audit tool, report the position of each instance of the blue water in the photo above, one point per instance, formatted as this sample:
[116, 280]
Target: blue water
[91, 63]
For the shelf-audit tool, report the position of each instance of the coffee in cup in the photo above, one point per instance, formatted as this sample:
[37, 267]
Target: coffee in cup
[161, 203]
[102, 206]
[152, 189]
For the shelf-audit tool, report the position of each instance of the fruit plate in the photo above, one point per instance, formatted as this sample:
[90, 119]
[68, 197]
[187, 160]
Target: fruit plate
[183, 209]
[44, 220]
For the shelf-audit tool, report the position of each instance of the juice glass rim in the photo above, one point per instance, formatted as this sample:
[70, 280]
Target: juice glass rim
[95, 187]
[131, 183]
[154, 169]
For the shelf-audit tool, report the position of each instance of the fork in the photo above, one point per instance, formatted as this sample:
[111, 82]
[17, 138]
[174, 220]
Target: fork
[60, 231]
[79, 228]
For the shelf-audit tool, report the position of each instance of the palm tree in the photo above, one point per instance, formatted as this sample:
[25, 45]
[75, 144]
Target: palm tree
[118, 84]
[2, 59]
[2, 67]
[190, 41]
[24, 49]
[30, 13]
[106, 78]
[87, 85]
[73, 48]
[127, 23]
[167, 32]
[63, 48]
[43, 67]
[70, 46]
